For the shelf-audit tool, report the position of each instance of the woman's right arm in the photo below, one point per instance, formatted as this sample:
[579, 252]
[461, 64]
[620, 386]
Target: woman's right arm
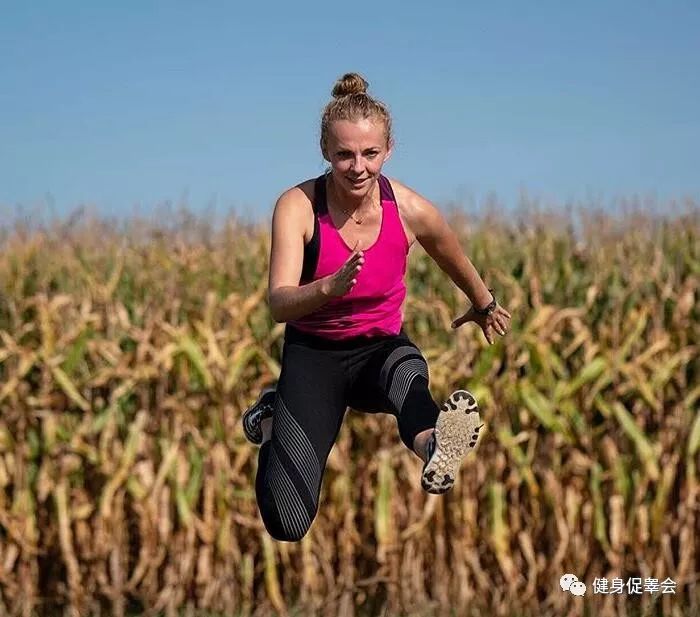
[288, 300]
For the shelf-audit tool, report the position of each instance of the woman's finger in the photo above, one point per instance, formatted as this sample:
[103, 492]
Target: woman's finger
[502, 327]
[352, 270]
[496, 326]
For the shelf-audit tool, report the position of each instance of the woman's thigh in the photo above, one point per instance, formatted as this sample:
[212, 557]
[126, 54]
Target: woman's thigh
[309, 410]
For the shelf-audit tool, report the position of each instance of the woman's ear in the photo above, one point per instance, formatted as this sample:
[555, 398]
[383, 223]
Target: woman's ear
[389, 150]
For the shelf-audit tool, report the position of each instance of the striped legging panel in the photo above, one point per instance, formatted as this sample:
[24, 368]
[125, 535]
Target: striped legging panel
[296, 444]
[402, 366]
[292, 512]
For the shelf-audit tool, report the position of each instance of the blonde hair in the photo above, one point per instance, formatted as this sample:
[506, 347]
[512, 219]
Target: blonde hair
[351, 102]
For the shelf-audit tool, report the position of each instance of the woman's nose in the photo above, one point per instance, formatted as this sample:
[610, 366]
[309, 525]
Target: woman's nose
[357, 164]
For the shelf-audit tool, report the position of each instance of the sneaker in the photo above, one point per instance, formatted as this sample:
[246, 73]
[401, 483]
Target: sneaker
[456, 433]
[256, 413]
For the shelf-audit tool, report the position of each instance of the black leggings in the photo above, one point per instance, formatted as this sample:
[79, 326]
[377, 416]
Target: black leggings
[319, 380]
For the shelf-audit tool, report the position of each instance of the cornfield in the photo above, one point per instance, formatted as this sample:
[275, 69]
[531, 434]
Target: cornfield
[128, 353]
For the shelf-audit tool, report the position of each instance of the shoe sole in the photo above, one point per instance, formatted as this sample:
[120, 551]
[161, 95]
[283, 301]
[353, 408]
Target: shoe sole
[456, 434]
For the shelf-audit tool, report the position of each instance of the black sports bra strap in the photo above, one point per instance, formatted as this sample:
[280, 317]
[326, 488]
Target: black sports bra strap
[320, 204]
[311, 248]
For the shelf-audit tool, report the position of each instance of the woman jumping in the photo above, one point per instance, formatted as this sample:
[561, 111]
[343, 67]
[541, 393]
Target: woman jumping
[337, 279]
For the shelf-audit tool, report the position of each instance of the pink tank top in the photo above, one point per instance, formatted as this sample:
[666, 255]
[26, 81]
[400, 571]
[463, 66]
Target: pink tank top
[374, 305]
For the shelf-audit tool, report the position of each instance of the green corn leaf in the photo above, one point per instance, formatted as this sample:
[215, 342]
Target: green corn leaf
[644, 448]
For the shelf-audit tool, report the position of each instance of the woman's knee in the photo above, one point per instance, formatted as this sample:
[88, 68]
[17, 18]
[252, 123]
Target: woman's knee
[285, 524]
[284, 534]
[403, 374]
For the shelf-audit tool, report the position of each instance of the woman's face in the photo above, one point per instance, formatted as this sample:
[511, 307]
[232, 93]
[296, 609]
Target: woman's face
[356, 150]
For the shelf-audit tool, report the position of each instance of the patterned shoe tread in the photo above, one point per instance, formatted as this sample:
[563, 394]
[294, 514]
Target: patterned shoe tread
[456, 434]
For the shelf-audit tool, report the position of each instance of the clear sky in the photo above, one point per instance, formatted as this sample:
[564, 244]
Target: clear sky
[218, 103]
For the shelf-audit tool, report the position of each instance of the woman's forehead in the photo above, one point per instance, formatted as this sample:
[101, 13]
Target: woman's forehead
[363, 130]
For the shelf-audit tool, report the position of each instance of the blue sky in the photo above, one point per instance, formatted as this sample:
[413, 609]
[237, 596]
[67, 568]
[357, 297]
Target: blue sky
[127, 105]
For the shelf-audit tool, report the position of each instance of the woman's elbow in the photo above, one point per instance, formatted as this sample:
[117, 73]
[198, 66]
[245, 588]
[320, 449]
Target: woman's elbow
[276, 317]
[275, 310]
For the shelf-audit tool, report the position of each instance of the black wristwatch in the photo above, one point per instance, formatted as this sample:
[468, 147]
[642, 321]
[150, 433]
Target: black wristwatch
[489, 308]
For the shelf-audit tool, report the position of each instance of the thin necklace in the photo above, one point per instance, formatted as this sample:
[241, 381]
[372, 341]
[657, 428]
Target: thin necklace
[352, 216]
[358, 220]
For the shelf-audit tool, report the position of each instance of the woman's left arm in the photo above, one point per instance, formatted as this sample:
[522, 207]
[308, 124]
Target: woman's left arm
[440, 242]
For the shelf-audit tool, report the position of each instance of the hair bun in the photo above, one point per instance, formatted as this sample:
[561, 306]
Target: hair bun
[350, 83]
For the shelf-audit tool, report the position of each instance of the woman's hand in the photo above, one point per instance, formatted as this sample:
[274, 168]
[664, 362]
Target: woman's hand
[498, 321]
[345, 278]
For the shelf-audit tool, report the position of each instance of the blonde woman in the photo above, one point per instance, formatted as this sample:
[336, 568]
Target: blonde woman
[337, 279]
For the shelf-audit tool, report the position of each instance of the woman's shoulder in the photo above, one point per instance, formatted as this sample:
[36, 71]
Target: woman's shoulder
[299, 196]
[295, 206]
[410, 202]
